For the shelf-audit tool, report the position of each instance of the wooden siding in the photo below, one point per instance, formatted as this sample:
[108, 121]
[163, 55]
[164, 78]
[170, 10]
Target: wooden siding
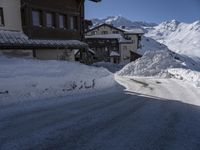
[67, 8]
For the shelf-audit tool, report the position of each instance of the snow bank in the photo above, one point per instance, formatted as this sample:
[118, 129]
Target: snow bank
[110, 66]
[186, 74]
[27, 78]
[164, 64]
[152, 63]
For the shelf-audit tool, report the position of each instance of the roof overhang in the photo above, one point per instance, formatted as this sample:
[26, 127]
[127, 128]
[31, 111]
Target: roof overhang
[96, 1]
[18, 40]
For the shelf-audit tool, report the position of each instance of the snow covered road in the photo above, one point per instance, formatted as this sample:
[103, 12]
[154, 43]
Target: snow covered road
[114, 120]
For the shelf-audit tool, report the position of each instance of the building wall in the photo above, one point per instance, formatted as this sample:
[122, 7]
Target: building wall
[134, 38]
[55, 54]
[101, 29]
[64, 7]
[125, 49]
[12, 14]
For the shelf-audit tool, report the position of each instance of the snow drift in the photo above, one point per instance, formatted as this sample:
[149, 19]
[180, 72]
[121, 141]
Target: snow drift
[26, 78]
[156, 63]
[186, 74]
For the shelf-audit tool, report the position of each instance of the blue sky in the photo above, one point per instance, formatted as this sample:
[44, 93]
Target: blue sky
[146, 10]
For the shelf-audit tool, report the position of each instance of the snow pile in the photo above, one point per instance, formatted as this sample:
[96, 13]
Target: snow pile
[188, 75]
[156, 63]
[110, 66]
[149, 44]
[26, 78]
[180, 37]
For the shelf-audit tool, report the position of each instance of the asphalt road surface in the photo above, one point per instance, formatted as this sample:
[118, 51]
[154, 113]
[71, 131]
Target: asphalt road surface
[115, 120]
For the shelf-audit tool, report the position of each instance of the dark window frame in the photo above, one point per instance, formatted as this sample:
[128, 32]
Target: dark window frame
[65, 26]
[41, 23]
[75, 22]
[53, 19]
[2, 17]
[104, 32]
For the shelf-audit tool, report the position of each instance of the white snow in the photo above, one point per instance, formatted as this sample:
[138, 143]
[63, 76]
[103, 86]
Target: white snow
[22, 79]
[180, 37]
[149, 44]
[119, 21]
[161, 88]
[187, 75]
[113, 53]
[163, 63]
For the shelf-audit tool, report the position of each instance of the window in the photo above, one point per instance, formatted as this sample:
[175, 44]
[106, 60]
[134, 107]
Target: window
[61, 19]
[1, 17]
[50, 20]
[115, 32]
[94, 32]
[37, 18]
[125, 48]
[104, 32]
[73, 23]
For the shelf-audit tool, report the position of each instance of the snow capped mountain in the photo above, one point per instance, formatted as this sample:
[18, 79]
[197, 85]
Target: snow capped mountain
[180, 37]
[119, 21]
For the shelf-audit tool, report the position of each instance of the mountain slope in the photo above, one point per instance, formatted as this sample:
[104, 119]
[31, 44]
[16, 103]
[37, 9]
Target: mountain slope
[119, 21]
[180, 37]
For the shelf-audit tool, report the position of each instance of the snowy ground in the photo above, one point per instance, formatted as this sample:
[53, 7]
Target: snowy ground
[164, 64]
[174, 89]
[149, 113]
[26, 79]
[68, 105]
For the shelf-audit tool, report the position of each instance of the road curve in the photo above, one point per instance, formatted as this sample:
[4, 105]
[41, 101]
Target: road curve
[111, 121]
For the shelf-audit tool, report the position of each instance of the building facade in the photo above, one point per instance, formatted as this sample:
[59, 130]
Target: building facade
[10, 15]
[112, 44]
[50, 28]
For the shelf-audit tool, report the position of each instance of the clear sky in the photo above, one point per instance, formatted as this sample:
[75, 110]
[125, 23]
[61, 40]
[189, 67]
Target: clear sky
[146, 10]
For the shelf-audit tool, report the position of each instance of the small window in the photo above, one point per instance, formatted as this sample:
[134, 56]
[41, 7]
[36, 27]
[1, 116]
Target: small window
[50, 20]
[73, 23]
[1, 17]
[125, 48]
[37, 18]
[61, 19]
[94, 32]
[104, 32]
[115, 32]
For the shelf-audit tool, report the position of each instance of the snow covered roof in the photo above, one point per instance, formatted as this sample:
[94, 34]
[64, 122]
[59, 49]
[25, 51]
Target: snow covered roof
[134, 31]
[104, 24]
[114, 54]
[15, 39]
[119, 37]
